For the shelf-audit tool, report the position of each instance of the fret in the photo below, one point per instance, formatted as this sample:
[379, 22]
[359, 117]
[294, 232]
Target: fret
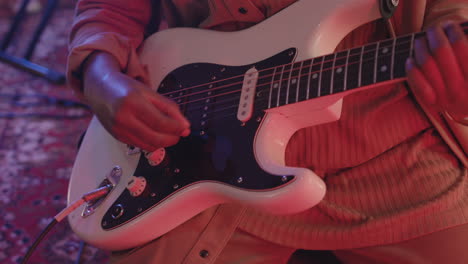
[284, 85]
[332, 69]
[326, 75]
[353, 72]
[412, 45]
[264, 87]
[402, 53]
[360, 66]
[346, 71]
[304, 80]
[271, 87]
[275, 86]
[319, 91]
[309, 84]
[314, 77]
[375, 62]
[392, 63]
[339, 72]
[280, 84]
[293, 83]
[287, 82]
[299, 78]
[384, 61]
[368, 64]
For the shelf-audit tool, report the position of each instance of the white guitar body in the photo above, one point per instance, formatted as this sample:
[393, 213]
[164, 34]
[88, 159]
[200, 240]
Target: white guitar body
[314, 28]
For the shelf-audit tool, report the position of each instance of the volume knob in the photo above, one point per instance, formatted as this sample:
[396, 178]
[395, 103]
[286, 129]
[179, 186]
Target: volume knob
[156, 157]
[136, 186]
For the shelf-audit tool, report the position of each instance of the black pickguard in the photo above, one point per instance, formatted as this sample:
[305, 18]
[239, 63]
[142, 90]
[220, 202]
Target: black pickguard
[220, 147]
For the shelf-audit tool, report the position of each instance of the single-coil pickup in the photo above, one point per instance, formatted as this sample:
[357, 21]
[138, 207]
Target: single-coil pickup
[246, 102]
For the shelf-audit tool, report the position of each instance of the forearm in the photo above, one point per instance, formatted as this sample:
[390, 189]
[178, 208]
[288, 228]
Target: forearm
[127, 108]
[116, 27]
[97, 69]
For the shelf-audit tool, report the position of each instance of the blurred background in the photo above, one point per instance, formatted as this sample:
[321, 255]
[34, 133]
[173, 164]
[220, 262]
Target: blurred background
[40, 125]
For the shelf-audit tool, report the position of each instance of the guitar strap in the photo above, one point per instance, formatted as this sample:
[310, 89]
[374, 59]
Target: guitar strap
[388, 7]
[454, 134]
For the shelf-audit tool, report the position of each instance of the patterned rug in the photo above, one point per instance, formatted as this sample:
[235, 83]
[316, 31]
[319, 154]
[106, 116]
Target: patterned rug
[38, 139]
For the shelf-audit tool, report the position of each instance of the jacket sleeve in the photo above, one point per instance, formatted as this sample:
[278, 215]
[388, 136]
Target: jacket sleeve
[113, 26]
[438, 11]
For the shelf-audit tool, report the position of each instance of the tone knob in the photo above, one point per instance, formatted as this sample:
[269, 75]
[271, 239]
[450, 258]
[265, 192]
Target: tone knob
[156, 157]
[136, 186]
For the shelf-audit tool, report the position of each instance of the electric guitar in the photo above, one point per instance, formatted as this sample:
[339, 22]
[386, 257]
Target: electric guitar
[245, 94]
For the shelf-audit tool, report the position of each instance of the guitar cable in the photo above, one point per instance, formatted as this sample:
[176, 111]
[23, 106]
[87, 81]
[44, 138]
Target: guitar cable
[80, 252]
[87, 197]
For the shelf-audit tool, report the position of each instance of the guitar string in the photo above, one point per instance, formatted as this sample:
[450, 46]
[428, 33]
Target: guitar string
[215, 114]
[266, 87]
[235, 100]
[269, 77]
[371, 51]
[417, 35]
[212, 115]
[193, 116]
[296, 77]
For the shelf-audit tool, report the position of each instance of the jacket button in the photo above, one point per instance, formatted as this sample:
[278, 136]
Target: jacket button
[242, 10]
[204, 253]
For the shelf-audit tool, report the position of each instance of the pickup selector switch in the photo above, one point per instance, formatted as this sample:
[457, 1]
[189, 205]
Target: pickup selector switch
[136, 186]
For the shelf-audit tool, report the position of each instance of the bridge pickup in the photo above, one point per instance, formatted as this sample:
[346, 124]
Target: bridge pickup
[246, 102]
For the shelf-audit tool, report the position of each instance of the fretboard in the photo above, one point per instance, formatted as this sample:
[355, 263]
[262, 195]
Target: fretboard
[335, 73]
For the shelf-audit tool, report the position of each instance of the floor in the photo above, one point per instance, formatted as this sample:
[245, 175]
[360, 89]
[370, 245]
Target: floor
[38, 138]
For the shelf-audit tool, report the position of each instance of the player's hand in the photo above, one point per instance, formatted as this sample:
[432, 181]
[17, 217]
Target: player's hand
[438, 74]
[129, 110]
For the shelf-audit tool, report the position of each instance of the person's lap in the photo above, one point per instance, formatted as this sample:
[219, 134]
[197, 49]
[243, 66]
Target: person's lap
[445, 246]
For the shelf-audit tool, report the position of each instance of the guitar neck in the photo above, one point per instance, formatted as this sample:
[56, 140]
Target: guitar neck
[371, 64]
